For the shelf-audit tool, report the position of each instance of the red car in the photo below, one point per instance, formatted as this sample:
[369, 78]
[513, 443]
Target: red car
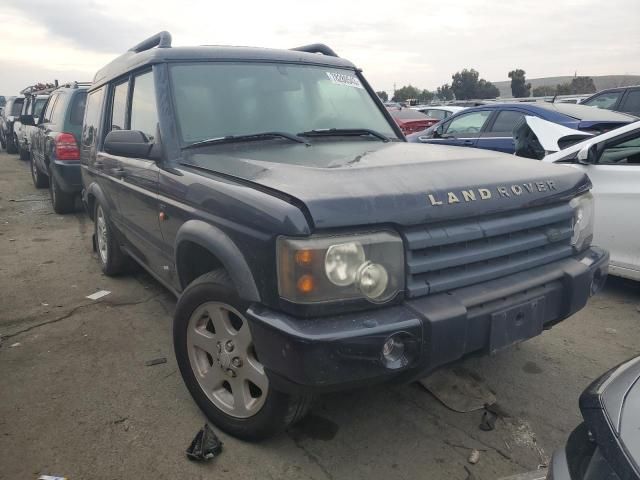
[411, 121]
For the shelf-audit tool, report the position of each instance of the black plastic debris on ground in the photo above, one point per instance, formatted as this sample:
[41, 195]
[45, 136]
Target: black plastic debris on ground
[155, 361]
[488, 421]
[205, 446]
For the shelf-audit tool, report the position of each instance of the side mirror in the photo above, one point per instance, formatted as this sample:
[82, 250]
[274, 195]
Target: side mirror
[128, 143]
[589, 154]
[27, 120]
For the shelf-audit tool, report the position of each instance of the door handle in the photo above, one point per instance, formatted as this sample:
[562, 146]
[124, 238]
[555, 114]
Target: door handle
[119, 172]
[99, 165]
[468, 142]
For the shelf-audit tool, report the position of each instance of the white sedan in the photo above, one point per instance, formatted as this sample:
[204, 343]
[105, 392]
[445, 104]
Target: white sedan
[439, 112]
[612, 161]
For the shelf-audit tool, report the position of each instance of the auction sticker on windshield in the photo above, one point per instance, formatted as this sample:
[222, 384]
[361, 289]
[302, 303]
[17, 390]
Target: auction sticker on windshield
[344, 79]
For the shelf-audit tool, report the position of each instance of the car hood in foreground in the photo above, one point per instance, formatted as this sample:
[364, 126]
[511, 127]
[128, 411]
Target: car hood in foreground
[362, 182]
[611, 409]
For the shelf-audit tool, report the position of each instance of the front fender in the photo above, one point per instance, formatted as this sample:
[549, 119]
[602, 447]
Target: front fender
[225, 250]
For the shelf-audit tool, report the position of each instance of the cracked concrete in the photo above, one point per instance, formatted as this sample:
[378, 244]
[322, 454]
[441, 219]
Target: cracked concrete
[76, 398]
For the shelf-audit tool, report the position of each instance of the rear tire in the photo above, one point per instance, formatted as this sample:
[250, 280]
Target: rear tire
[209, 317]
[24, 154]
[11, 146]
[112, 260]
[63, 202]
[40, 180]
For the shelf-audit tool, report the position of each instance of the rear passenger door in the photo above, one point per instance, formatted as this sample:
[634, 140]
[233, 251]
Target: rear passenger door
[44, 123]
[498, 135]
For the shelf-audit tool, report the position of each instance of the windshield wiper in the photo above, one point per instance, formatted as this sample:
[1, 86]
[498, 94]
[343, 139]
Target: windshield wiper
[247, 138]
[328, 132]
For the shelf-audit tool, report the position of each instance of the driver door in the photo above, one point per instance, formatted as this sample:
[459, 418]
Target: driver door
[616, 189]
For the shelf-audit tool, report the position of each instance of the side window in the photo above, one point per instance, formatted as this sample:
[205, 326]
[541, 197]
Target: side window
[468, 123]
[37, 109]
[625, 152]
[17, 106]
[92, 117]
[506, 120]
[144, 113]
[631, 102]
[26, 106]
[439, 114]
[46, 116]
[57, 114]
[606, 100]
[119, 107]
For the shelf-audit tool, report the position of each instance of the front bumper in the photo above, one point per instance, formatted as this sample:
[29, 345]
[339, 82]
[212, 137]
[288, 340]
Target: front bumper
[68, 176]
[344, 351]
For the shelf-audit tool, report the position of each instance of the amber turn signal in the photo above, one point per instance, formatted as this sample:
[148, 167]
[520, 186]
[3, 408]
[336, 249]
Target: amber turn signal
[306, 284]
[304, 257]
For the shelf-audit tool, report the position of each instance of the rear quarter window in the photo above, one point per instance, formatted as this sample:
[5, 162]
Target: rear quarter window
[78, 105]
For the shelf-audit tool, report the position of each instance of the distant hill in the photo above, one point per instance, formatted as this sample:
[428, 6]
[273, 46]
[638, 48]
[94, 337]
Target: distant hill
[602, 82]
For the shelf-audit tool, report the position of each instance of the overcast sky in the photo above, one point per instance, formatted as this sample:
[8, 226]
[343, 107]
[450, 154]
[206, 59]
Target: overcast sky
[419, 42]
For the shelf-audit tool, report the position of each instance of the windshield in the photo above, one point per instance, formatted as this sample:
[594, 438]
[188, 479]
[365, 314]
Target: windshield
[222, 99]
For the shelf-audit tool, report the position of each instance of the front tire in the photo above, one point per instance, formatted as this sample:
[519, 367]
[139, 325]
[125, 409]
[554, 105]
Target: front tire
[24, 154]
[40, 180]
[112, 260]
[218, 363]
[63, 202]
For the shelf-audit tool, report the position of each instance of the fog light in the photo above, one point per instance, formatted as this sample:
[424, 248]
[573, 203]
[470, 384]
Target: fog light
[393, 350]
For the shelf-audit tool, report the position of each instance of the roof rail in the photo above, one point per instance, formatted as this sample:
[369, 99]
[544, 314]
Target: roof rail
[317, 48]
[76, 84]
[160, 40]
[39, 88]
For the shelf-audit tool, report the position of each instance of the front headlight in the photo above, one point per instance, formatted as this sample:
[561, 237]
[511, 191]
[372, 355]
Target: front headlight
[334, 268]
[583, 212]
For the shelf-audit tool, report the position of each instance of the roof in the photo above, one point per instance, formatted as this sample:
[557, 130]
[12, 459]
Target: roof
[145, 54]
[576, 111]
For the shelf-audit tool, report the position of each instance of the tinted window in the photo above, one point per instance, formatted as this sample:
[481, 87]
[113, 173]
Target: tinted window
[506, 120]
[468, 123]
[37, 109]
[219, 99]
[622, 153]
[92, 117]
[119, 107]
[77, 108]
[17, 107]
[144, 114]
[59, 110]
[46, 116]
[632, 102]
[606, 100]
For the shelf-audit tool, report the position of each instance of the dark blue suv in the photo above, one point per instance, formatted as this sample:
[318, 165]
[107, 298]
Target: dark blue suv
[491, 126]
[311, 248]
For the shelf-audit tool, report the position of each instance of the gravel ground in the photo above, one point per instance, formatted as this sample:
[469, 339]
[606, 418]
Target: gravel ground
[76, 398]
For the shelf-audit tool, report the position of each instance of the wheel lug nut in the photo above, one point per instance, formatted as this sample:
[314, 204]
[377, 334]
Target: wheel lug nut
[236, 362]
[231, 373]
[228, 346]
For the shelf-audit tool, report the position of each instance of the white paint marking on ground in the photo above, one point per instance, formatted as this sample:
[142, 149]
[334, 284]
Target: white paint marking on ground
[98, 294]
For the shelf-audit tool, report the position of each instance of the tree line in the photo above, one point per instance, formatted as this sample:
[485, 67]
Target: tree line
[467, 85]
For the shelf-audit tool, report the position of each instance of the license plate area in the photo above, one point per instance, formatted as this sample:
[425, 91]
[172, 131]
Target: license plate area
[516, 324]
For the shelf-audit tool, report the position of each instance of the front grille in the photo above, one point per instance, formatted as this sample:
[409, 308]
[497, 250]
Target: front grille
[451, 255]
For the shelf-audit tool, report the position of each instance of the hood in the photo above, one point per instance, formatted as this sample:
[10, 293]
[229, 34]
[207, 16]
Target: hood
[611, 409]
[536, 138]
[349, 183]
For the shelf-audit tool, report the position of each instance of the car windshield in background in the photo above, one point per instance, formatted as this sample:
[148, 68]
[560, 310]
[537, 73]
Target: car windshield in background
[17, 107]
[216, 100]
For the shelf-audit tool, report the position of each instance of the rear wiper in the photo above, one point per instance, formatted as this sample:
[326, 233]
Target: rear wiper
[328, 132]
[247, 138]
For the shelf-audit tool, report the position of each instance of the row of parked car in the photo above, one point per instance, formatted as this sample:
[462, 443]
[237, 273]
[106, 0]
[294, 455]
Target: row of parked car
[43, 125]
[616, 175]
[311, 247]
